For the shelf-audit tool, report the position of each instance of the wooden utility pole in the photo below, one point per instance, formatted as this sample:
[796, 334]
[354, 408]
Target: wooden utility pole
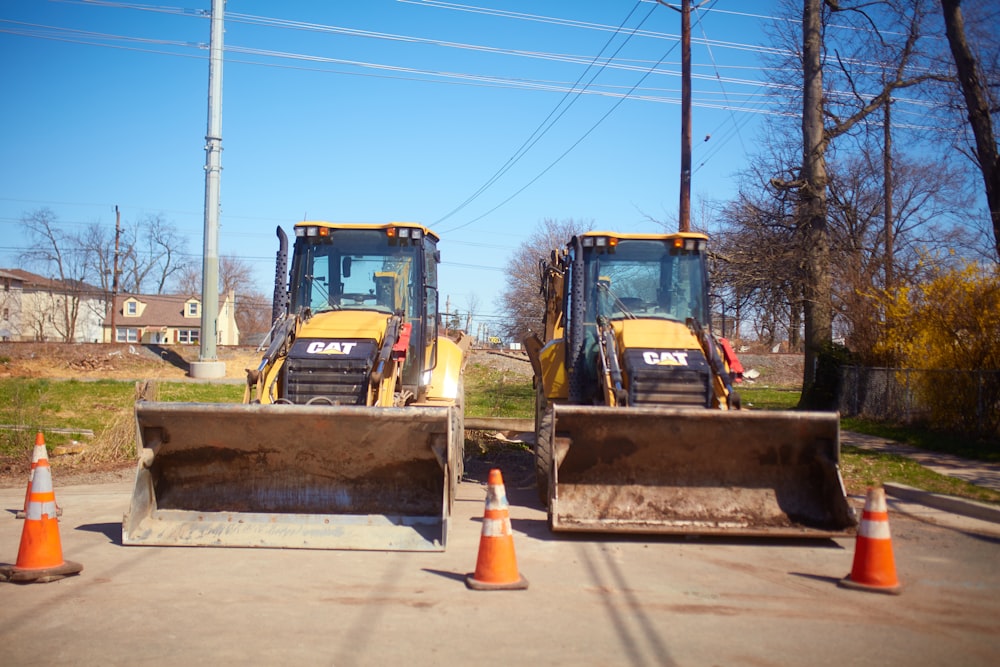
[887, 192]
[684, 210]
[114, 277]
[684, 214]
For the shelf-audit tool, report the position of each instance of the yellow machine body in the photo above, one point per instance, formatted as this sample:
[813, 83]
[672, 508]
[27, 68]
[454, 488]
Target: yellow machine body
[638, 426]
[351, 431]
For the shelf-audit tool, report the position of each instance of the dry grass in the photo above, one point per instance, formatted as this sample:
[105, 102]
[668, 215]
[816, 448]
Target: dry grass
[115, 444]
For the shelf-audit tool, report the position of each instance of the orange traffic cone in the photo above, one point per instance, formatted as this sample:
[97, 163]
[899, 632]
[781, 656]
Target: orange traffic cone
[40, 558]
[39, 452]
[874, 567]
[496, 566]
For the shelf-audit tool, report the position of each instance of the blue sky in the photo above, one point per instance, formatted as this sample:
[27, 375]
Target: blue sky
[371, 111]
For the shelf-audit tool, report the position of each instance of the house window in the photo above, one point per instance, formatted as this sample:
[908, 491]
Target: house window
[192, 309]
[187, 335]
[127, 335]
[131, 308]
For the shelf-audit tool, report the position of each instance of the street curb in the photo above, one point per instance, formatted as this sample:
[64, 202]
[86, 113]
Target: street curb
[961, 506]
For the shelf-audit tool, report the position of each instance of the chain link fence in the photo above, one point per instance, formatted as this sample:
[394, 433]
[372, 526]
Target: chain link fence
[963, 401]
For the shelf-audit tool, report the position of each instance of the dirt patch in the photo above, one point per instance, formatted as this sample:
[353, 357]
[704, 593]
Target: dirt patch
[773, 370]
[85, 361]
[513, 363]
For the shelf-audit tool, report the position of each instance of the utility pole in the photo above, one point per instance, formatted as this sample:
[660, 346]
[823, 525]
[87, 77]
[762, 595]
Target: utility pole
[684, 210]
[447, 309]
[208, 365]
[684, 216]
[114, 277]
[887, 183]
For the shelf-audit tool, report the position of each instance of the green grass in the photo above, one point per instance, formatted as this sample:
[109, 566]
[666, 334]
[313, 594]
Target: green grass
[197, 392]
[768, 398]
[40, 404]
[924, 438]
[863, 468]
[492, 393]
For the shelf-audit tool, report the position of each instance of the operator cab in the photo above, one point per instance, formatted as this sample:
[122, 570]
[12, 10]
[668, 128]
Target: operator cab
[390, 268]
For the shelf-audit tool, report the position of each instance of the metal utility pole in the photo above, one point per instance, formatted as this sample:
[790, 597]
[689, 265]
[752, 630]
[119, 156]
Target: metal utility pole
[208, 365]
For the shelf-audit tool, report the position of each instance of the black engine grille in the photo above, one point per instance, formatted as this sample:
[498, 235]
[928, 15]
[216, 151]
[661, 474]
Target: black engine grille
[335, 370]
[686, 385]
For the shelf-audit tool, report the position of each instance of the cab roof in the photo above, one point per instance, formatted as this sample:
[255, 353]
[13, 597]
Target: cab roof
[368, 225]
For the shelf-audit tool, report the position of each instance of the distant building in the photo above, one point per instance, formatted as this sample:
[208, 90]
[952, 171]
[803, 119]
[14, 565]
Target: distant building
[36, 308]
[168, 319]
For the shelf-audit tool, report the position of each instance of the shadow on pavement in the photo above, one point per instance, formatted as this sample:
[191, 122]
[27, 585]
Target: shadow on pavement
[113, 531]
[455, 576]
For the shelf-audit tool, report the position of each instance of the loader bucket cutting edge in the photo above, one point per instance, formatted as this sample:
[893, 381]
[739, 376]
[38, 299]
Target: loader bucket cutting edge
[694, 472]
[291, 476]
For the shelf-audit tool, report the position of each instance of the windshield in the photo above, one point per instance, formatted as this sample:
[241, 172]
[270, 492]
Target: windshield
[353, 269]
[645, 278]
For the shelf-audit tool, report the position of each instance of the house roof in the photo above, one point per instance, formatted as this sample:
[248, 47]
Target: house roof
[162, 310]
[41, 282]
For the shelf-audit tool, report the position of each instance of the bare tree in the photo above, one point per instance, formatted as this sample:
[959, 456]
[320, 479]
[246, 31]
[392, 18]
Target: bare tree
[151, 255]
[253, 308]
[97, 244]
[830, 112]
[253, 316]
[471, 310]
[928, 222]
[521, 301]
[756, 267]
[53, 250]
[980, 104]
[235, 275]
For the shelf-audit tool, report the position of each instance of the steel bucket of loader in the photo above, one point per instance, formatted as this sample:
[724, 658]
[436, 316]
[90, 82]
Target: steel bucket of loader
[299, 476]
[696, 472]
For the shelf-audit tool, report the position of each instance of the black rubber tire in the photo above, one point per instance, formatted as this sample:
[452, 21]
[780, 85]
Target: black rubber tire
[544, 429]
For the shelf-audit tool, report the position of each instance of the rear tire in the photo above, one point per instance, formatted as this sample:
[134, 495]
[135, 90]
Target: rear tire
[544, 426]
[460, 439]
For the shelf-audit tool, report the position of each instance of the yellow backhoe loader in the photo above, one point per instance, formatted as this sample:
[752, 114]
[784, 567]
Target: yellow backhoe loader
[350, 435]
[638, 428]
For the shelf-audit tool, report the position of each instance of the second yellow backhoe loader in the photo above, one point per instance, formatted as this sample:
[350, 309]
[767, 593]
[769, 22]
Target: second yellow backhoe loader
[351, 431]
[638, 428]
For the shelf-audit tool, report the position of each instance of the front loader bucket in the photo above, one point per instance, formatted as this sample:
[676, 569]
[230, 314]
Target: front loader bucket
[311, 477]
[697, 472]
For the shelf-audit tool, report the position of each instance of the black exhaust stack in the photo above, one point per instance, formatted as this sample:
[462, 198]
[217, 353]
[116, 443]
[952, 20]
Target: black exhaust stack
[279, 304]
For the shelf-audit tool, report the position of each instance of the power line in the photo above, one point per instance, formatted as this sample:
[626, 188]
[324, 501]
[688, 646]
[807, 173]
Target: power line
[572, 95]
[568, 150]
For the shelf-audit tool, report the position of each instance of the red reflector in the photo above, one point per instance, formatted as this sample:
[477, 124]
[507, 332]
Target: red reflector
[403, 342]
